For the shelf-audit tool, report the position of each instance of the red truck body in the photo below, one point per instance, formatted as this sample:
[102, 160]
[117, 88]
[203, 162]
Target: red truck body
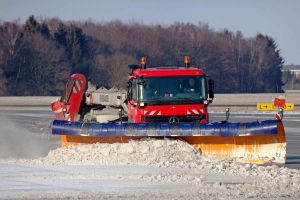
[171, 111]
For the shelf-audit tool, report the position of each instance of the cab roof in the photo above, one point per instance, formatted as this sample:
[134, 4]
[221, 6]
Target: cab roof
[167, 71]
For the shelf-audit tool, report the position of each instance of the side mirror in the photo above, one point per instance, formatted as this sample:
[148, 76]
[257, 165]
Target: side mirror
[211, 89]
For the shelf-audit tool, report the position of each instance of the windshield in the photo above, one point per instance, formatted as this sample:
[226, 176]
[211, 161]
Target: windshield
[173, 89]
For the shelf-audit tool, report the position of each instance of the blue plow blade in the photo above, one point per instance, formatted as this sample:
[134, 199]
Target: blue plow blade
[226, 129]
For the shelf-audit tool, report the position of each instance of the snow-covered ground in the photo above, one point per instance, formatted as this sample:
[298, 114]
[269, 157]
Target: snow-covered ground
[142, 169]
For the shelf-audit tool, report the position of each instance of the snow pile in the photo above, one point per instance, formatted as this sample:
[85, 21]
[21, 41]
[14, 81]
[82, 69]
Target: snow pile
[143, 152]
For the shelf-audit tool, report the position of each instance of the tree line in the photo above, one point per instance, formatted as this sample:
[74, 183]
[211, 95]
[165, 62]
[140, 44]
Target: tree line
[37, 56]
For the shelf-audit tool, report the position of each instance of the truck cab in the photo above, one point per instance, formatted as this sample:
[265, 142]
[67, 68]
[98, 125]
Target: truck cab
[168, 94]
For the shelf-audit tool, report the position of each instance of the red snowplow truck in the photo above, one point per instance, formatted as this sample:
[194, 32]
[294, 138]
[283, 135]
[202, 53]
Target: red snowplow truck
[162, 102]
[168, 95]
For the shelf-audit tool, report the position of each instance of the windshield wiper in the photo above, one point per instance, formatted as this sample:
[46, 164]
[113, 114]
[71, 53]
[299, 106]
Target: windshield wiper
[154, 99]
[185, 98]
[172, 99]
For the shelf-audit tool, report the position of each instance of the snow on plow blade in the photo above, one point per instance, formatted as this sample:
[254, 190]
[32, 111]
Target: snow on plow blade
[254, 142]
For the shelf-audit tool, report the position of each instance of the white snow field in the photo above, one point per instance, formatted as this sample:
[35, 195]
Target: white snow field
[146, 169]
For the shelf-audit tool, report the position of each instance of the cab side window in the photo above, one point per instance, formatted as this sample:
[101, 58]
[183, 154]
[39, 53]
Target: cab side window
[134, 89]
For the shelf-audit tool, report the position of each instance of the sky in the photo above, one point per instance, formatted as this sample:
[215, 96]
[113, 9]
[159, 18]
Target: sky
[279, 19]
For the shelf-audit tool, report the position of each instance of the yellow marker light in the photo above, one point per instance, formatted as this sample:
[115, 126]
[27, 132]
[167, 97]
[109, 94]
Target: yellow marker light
[187, 60]
[143, 60]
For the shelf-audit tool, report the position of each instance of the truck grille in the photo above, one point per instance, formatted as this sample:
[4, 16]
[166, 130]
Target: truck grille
[186, 118]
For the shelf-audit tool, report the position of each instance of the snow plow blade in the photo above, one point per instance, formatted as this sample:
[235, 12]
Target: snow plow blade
[253, 142]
